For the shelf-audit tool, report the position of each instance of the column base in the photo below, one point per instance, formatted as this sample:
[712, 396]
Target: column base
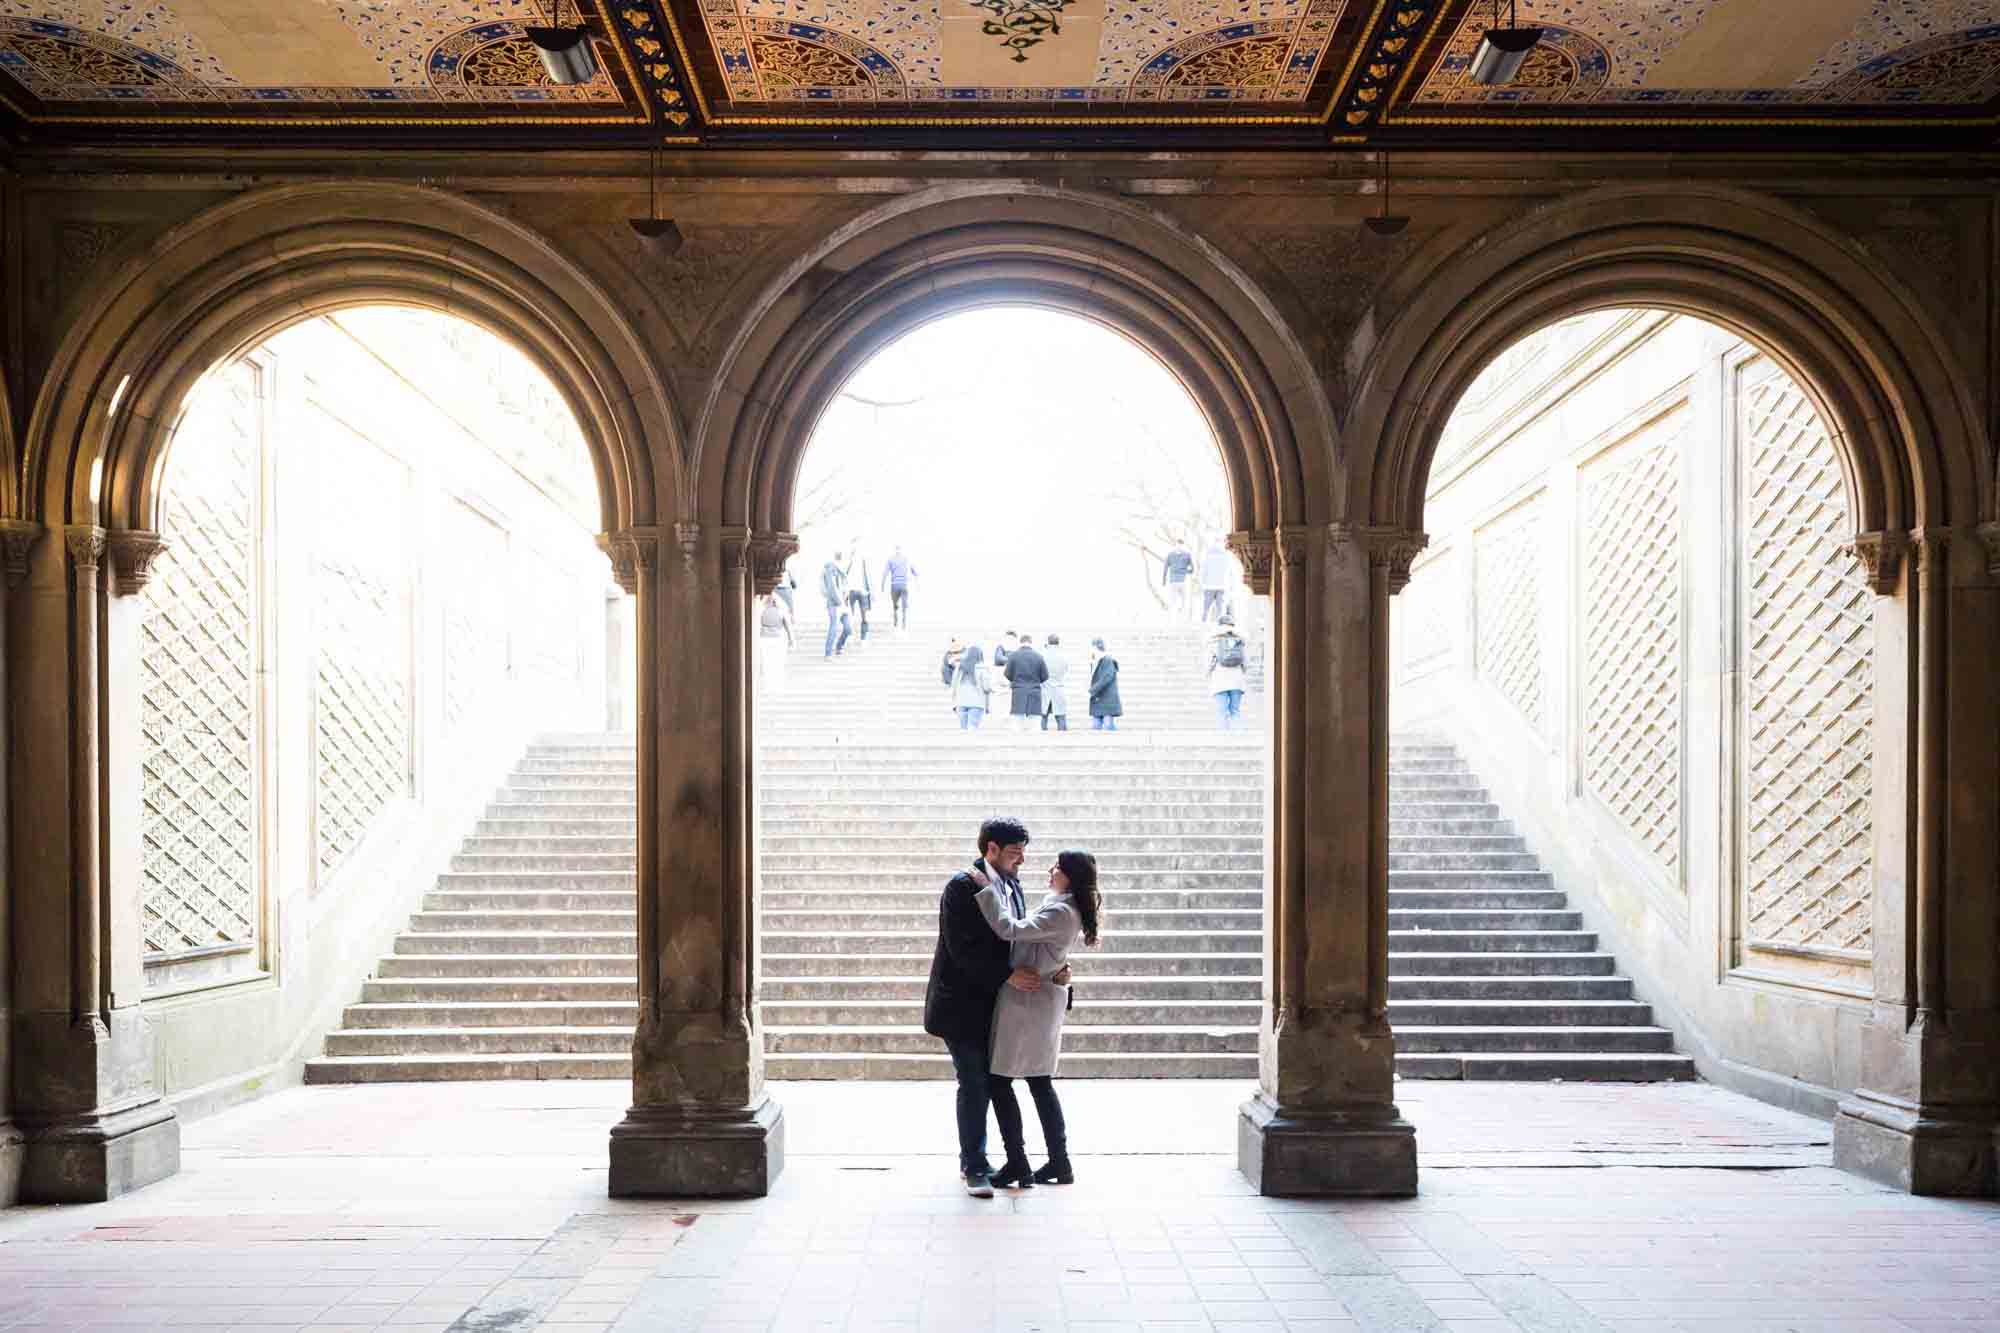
[1370, 1151]
[13, 1152]
[92, 1158]
[1941, 1151]
[660, 1152]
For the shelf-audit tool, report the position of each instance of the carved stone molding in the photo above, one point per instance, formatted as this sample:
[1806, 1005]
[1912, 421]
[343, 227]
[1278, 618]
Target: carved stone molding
[1989, 536]
[1930, 547]
[1293, 540]
[1881, 554]
[688, 535]
[1393, 549]
[630, 550]
[17, 539]
[133, 551]
[768, 553]
[735, 544]
[1257, 551]
[85, 545]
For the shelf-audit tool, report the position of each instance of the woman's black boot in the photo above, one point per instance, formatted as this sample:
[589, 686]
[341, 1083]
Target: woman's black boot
[1056, 1171]
[1016, 1174]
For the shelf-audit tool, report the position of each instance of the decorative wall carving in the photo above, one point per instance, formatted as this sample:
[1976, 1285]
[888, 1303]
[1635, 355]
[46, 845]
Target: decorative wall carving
[768, 553]
[81, 246]
[17, 541]
[133, 552]
[85, 545]
[1808, 674]
[691, 283]
[1507, 608]
[1390, 549]
[1881, 556]
[1256, 551]
[1632, 635]
[198, 672]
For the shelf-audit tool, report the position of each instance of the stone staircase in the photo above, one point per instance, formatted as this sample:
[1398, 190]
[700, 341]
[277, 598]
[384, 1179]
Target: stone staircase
[520, 963]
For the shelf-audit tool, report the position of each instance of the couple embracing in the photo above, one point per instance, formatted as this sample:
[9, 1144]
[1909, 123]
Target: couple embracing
[998, 990]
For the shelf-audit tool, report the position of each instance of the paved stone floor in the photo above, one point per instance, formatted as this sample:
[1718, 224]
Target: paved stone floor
[1545, 1208]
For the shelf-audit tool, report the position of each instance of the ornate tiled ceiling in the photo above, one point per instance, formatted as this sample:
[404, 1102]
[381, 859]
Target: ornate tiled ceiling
[745, 70]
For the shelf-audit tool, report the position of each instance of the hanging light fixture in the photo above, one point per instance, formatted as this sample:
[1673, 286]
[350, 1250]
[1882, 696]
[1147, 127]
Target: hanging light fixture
[567, 52]
[664, 233]
[1502, 51]
[1383, 223]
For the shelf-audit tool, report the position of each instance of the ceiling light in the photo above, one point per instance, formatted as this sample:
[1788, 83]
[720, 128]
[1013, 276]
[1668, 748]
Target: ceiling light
[1386, 223]
[1502, 51]
[664, 233]
[567, 53]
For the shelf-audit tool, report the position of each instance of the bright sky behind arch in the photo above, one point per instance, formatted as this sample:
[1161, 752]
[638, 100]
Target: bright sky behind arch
[1003, 439]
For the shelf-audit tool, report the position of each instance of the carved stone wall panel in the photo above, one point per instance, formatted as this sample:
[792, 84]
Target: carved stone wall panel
[475, 614]
[1507, 604]
[198, 681]
[1808, 676]
[361, 705]
[1632, 634]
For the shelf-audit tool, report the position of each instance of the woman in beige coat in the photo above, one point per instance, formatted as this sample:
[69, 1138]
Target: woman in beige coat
[1027, 1025]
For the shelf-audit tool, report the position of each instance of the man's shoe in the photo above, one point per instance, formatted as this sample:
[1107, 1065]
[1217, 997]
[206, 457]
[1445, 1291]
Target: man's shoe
[1056, 1173]
[978, 1184]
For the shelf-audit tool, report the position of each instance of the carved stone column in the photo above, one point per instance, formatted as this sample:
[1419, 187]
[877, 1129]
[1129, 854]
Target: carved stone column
[93, 1124]
[1324, 1120]
[701, 1123]
[1927, 1116]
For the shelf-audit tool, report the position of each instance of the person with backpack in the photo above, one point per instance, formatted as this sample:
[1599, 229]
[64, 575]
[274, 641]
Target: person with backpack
[1228, 674]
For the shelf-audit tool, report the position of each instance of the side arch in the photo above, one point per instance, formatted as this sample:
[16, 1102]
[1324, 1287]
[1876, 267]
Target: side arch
[240, 272]
[919, 259]
[1911, 449]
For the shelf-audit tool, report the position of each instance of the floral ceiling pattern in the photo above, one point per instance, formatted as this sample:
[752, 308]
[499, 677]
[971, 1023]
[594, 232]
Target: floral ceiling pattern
[1338, 69]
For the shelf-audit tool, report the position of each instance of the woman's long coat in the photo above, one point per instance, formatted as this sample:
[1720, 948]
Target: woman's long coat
[1104, 700]
[1055, 690]
[1027, 1025]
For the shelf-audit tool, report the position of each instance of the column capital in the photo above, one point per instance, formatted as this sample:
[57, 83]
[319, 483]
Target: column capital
[133, 551]
[1989, 536]
[735, 542]
[1881, 554]
[768, 553]
[630, 550]
[688, 536]
[1931, 548]
[85, 544]
[1257, 550]
[1387, 547]
[17, 538]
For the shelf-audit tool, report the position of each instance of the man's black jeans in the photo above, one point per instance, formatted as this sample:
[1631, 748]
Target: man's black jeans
[969, 1061]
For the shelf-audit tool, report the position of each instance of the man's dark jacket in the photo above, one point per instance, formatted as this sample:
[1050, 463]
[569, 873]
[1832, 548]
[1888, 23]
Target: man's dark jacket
[969, 967]
[1026, 671]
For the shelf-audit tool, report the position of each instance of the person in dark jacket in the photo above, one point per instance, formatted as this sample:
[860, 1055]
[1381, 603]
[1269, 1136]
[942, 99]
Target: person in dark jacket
[1026, 671]
[968, 969]
[1105, 705]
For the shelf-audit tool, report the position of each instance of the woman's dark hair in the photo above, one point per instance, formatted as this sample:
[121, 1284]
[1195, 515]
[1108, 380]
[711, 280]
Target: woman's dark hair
[1080, 869]
[1055, 640]
[969, 661]
[1098, 644]
[1004, 830]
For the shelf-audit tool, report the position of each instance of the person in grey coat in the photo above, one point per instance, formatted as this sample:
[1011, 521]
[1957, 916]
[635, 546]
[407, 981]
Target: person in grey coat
[1027, 1025]
[1055, 691]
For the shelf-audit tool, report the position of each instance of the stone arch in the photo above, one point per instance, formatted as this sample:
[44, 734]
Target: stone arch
[916, 260]
[1878, 372]
[244, 270]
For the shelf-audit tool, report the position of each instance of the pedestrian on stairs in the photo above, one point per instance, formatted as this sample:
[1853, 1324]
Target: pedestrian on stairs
[1228, 673]
[833, 588]
[972, 688]
[1105, 705]
[1055, 690]
[1025, 672]
[861, 592]
[774, 642]
[968, 968]
[1027, 1024]
[1218, 575]
[899, 574]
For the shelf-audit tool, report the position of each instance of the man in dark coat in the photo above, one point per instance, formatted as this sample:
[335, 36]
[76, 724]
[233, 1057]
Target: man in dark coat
[1026, 672]
[967, 972]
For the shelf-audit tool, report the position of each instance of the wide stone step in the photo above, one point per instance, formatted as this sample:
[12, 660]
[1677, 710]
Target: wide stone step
[878, 1066]
[549, 797]
[781, 846]
[481, 1041]
[856, 961]
[1110, 862]
[1547, 1067]
[1535, 900]
[485, 844]
[561, 1013]
[624, 943]
[532, 900]
[490, 863]
[1491, 941]
[499, 989]
[1471, 879]
[1423, 955]
[1093, 1012]
[544, 922]
[584, 782]
[1080, 1039]
[1517, 1013]
[471, 964]
[539, 881]
[1510, 988]
[1445, 817]
[925, 941]
[1403, 843]
[981, 786]
[1421, 1039]
[1460, 860]
[568, 815]
[841, 879]
[1115, 900]
[1244, 764]
[1096, 984]
[1462, 919]
[553, 764]
[415, 1068]
[1163, 817]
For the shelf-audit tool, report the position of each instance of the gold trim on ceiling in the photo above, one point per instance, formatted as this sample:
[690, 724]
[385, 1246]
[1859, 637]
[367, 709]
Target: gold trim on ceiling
[1697, 122]
[666, 8]
[1072, 120]
[1340, 85]
[1416, 58]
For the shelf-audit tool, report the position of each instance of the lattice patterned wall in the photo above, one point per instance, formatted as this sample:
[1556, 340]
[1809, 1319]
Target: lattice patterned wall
[198, 668]
[475, 613]
[1632, 635]
[1808, 676]
[1507, 602]
[361, 597]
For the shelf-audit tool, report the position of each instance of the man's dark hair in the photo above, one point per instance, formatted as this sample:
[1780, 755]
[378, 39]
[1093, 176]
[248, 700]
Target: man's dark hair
[1027, 640]
[1055, 640]
[1004, 830]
